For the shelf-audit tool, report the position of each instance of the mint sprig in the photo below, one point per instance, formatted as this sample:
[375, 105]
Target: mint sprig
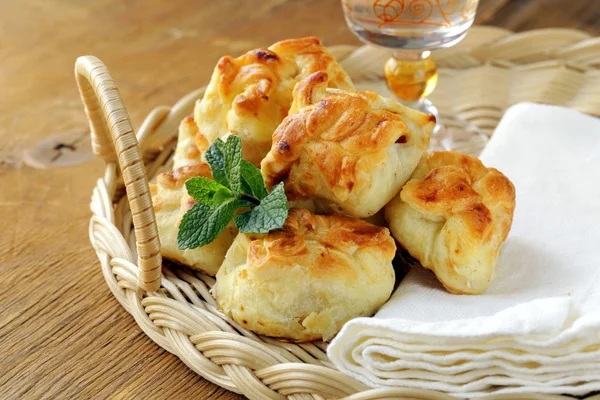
[237, 184]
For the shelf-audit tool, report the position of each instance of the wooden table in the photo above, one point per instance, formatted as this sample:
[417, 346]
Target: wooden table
[62, 334]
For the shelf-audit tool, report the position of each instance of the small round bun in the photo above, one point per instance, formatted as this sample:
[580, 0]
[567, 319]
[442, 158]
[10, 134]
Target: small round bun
[349, 151]
[250, 95]
[453, 216]
[304, 281]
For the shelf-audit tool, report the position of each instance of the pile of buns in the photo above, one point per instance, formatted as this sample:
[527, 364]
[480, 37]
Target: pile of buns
[344, 156]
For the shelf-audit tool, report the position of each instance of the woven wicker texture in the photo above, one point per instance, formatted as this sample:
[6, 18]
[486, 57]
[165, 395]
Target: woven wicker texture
[491, 69]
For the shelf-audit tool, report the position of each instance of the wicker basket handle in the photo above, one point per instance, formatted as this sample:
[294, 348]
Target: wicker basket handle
[114, 140]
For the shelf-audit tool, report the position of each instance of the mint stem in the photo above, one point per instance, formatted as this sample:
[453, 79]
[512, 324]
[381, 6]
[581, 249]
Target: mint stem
[249, 198]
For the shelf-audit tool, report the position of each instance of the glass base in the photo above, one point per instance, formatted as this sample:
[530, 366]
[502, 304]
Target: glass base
[452, 133]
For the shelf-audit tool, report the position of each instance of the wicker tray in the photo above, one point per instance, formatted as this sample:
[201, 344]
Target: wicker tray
[490, 70]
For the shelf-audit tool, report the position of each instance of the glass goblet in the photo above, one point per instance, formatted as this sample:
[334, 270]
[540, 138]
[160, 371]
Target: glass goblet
[412, 29]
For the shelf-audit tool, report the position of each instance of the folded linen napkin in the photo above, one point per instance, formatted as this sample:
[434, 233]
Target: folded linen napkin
[537, 327]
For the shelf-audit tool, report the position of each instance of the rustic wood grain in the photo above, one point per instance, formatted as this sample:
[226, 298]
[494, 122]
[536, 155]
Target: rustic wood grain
[62, 335]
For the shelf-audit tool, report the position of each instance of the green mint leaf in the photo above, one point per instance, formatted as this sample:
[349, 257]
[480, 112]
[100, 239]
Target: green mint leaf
[269, 215]
[222, 195]
[203, 190]
[252, 181]
[203, 223]
[215, 159]
[225, 160]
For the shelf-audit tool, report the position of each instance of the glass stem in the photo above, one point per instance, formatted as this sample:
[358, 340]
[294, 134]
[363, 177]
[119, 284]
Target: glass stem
[411, 76]
[414, 56]
[410, 55]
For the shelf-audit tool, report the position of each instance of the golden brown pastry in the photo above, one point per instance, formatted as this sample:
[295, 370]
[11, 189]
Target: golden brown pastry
[303, 282]
[453, 215]
[190, 144]
[250, 95]
[171, 201]
[351, 150]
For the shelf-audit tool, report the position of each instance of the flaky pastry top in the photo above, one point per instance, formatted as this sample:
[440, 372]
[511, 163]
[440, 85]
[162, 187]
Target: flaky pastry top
[342, 134]
[449, 184]
[323, 244]
[177, 178]
[250, 95]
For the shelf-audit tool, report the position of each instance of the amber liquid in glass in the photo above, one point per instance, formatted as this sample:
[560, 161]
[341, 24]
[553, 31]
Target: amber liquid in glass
[411, 79]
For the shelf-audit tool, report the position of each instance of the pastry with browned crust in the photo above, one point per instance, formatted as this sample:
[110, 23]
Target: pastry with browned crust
[250, 95]
[171, 201]
[350, 151]
[304, 281]
[453, 216]
[191, 145]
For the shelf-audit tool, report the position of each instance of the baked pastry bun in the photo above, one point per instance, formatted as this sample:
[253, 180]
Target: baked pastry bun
[250, 95]
[304, 281]
[191, 145]
[171, 201]
[350, 151]
[453, 215]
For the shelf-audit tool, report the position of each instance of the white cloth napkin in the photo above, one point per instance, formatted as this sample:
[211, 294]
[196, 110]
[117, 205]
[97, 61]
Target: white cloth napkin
[537, 328]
